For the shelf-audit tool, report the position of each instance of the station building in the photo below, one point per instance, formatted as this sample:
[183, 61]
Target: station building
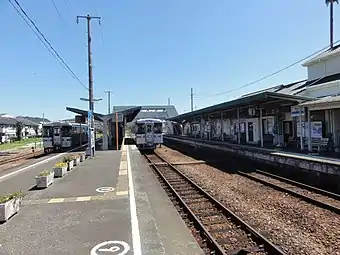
[122, 115]
[303, 115]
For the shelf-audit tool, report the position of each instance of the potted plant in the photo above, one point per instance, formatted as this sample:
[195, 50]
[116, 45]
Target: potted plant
[76, 159]
[60, 169]
[10, 204]
[82, 157]
[69, 161]
[44, 179]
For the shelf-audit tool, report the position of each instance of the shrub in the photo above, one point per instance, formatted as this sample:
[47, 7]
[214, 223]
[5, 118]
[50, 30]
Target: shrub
[67, 159]
[60, 165]
[45, 173]
[5, 198]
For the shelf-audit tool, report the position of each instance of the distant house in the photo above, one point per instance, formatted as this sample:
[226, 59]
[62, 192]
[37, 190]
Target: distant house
[8, 128]
[30, 128]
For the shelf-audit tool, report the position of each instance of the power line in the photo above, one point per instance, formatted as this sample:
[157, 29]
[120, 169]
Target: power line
[57, 10]
[267, 76]
[45, 42]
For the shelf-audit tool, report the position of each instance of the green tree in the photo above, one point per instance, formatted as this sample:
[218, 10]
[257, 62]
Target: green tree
[331, 14]
[19, 127]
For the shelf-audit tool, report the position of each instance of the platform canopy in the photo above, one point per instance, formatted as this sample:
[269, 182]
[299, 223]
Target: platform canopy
[264, 99]
[97, 116]
[128, 113]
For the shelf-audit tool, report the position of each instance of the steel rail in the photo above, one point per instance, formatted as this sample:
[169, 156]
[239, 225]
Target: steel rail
[301, 185]
[19, 157]
[262, 241]
[308, 199]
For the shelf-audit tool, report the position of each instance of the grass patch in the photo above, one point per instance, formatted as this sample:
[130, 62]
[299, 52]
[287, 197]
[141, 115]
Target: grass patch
[22, 143]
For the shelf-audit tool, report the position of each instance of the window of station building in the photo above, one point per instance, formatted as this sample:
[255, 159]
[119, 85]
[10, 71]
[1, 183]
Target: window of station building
[288, 127]
[268, 124]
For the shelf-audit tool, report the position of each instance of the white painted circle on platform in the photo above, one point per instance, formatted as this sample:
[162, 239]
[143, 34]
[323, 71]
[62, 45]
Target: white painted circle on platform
[111, 247]
[105, 189]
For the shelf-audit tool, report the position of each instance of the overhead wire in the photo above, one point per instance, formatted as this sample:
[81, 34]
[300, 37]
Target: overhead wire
[266, 76]
[58, 12]
[44, 40]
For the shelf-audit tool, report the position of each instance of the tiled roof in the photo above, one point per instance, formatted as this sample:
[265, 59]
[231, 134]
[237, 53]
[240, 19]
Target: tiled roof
[318, 81]
[292, 88]
[27, 122]
[323, 55]
[7, 121]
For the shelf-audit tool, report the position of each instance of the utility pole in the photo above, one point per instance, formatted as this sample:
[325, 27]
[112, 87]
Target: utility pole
[108, 101]
[168, 100]
[192, 99]
[91, 101]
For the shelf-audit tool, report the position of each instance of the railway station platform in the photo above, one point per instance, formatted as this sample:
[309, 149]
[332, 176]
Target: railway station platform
[277, 157]
[106, 205]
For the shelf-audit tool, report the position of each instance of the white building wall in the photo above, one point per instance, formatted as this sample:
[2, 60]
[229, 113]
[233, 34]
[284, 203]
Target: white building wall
[324, 89]
[324, 68]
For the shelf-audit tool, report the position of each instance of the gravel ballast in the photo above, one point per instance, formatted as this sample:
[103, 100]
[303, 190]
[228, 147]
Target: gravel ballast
[296, 226]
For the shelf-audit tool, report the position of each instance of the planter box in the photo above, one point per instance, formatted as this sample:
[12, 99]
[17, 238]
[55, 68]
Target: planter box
[82, 158]
[9, 208]
[76, 161]
[60, 171]
[44, 181]
[70, 165]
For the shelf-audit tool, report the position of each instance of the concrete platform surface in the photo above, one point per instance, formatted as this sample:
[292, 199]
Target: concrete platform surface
[22, 177]
[162, 229]
[308, 162]
[70, 216]
[129, 212]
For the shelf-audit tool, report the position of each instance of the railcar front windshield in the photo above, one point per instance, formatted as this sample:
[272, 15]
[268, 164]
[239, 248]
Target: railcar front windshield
[158, 128]
[47, 131]
[140, 129]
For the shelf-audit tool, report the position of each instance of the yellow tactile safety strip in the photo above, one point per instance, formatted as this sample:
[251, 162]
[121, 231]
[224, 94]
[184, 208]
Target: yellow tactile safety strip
[107, 196]
[123, 181]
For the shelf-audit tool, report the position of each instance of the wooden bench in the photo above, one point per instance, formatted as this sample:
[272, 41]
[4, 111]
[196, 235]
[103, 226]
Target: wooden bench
[319, 143]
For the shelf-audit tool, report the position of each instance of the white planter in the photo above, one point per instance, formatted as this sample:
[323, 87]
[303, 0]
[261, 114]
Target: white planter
[70, 165]
[82, 158]
[76, 161]
[60, 171]
[44, 181]
[9, 208]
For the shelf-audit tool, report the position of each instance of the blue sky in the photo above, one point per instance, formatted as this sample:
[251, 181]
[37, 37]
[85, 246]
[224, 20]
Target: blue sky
[148, 50]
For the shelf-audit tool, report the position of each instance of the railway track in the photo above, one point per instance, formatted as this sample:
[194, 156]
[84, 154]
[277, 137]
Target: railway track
[22, 156]
[310, 194]
[220, 229]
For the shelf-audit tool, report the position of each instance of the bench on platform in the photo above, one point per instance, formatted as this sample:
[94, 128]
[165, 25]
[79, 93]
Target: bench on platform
[319, 143]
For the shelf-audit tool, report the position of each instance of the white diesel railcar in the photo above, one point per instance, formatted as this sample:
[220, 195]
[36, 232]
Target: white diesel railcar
[63, 135]
[149, 133]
